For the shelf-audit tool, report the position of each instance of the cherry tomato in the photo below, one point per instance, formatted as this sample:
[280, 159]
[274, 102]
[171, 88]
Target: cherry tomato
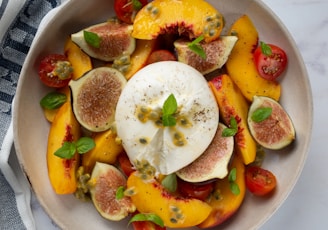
[125, 164]
[195, 190]
[259, 181]
[126, 9]
[146, 225]
[55, 70]
[160, 55]
[270, 66]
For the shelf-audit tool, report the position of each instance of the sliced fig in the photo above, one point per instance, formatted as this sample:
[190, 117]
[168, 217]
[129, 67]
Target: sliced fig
[213, 163]
[217, 53]
[274, 131]
[114, 40]
[105, 181]
[94, 97]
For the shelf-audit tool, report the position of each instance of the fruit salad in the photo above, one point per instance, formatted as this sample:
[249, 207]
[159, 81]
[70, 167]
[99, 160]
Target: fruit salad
[159, 117]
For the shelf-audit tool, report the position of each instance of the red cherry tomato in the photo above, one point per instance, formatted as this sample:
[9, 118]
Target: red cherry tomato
[272, 66]
[55, 70]
[160, 55]
[125, 9]
[195, 190]
[259, 181]
[146, 225]
[125, 164]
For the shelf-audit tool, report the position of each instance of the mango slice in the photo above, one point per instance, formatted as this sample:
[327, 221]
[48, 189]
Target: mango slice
[232, 103]
[241, 67]
[176, 212]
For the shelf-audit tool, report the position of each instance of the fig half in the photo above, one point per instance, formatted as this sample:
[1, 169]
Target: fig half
[213, 163]
[105, 181]
[274, 130]
[217, 53]
[94, 97]
[114, 40]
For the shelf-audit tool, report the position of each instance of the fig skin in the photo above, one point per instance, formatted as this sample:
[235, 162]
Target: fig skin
[275, 132]
[105, 180]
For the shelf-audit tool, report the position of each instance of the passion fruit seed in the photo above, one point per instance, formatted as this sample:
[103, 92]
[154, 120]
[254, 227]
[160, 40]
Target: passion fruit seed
[82, 191]
[63, 70]
[122, 63]
[176, 214]
[146, 170]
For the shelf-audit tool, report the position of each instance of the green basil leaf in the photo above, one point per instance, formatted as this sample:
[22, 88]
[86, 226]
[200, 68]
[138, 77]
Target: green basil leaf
[119, 193]
[232, 130]
[169, 120]
[85, 144]
[197, 48]
[66, 151]
[266, 49]
[232, 175]
[261, 114]
[53, 100]
[148, 217]
[234, 188]
[170, 182]
[92, 38]
[170, 105]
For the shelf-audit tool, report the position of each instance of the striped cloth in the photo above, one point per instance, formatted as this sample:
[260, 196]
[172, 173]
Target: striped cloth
[19, 21]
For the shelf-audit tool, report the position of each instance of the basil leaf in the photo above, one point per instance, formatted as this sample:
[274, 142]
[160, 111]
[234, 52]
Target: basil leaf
[119, 193]
[170, 182]
[232, 175]
[169, 120]
[85, 144]
[170, 105]
[66, 151]
[147, 217]
[92, 38]
[232, 130]
[197, 48]
[266, 49]
[234, 188]
[261, 114]
[53, 100]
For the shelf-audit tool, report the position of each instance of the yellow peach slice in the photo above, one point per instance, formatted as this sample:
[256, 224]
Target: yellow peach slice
[191, 18]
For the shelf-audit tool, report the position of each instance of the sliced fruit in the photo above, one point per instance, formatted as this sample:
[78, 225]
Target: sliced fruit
[233, 104]
[95, 96]
[62, 172]
[217, 53]
[106, 151]
[223, 202]
[161, 55]
[176, 212]
[105, 180]
[276, 131]
[81, 62]
[114, 40]
[167, 148]
[213, 163]
[241, 66]
[190, 18]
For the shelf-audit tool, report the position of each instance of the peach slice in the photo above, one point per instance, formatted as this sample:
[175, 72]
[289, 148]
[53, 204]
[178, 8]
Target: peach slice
[176, 212]
[191, 18]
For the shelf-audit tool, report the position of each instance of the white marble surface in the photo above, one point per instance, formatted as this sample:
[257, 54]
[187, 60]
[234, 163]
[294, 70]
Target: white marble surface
[306, 207]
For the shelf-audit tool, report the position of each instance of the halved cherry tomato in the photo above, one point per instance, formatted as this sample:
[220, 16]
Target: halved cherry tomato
[126, 9]
[195, 190]
[125, 164]
[55, 70]
[259, 181]
[270, 66]
[146, 225]
[160, 55]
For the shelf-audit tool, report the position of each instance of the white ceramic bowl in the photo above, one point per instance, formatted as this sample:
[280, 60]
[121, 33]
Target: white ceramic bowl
[31, 129]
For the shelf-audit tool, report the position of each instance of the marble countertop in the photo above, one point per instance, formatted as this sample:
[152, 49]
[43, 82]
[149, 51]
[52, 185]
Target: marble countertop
[306, 206]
